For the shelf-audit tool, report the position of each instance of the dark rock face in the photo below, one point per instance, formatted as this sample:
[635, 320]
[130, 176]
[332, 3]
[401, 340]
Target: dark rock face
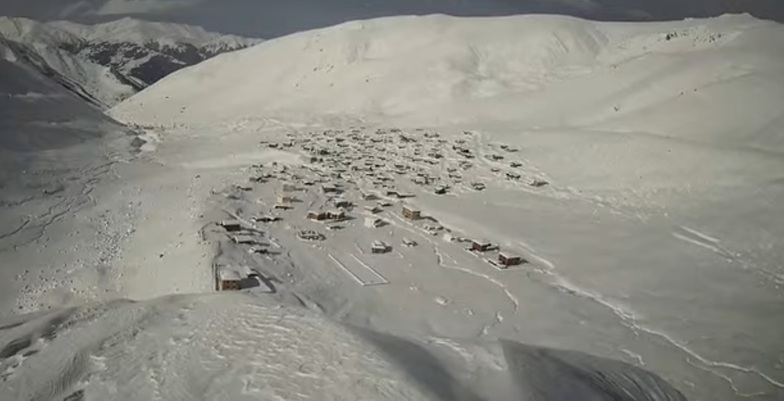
[143, 65]
[133, 65]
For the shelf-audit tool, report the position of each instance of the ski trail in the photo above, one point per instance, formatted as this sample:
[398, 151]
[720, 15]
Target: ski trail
[712, 244]
[701, 235]
[702, 244]
[700, 239]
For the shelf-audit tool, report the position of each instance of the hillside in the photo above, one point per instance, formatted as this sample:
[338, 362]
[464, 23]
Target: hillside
[529, 207]
[109, 62]
[556, 72]
[621, 160]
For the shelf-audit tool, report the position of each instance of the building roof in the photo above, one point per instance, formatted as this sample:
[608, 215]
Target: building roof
[233, 273]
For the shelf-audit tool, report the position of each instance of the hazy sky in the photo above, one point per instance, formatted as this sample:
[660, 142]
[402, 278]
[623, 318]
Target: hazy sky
[270, 18]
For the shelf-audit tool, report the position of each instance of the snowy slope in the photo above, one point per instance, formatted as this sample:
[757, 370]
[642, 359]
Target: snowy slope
[35, 112]
[108, 62]
[232, 347]
[658, 238]
[601, 76]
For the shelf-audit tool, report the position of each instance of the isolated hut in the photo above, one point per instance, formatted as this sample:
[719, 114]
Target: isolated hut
[411, 213]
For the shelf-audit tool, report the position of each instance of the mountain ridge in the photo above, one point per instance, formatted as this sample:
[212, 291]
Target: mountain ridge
[106, 63]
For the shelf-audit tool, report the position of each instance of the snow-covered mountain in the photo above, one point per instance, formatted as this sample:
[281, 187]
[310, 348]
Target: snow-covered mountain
[272, 18]
[458, 71]
[636, 168]
[109, 62]
[661, 142]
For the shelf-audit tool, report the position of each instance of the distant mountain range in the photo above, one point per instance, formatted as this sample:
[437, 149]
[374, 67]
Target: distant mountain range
[106, 63]
[273, 18]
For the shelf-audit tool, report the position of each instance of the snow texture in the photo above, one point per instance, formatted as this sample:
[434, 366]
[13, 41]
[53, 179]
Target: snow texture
[624, 162]
[230, 347]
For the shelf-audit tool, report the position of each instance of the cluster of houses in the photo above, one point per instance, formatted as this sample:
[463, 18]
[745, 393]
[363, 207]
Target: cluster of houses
[375, 168]
[237, 277]
[503, 260]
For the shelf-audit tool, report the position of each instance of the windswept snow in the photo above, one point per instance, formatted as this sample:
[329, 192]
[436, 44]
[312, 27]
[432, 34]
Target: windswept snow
[621, 161]
[231, 347]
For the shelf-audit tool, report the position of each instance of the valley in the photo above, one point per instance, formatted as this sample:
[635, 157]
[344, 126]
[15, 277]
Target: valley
[344, 185]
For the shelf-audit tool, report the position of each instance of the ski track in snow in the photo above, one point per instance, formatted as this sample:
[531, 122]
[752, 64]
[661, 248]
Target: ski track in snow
[700, 239]
[629, 319]
[697, 238]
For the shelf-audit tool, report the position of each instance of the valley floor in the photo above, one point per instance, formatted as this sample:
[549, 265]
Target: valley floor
[692, 294]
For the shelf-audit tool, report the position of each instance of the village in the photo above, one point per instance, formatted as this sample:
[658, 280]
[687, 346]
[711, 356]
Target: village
[354, 200]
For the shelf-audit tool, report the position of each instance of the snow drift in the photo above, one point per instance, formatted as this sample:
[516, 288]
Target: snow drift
[229, 347]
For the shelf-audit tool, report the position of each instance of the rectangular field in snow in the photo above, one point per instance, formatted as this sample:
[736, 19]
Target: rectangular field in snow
[358, 269]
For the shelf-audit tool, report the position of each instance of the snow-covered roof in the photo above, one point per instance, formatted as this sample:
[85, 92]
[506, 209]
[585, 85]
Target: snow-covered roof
[232, 273]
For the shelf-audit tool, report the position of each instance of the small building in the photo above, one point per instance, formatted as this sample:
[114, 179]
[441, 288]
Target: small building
[328, 188]
[317, 215]
[538, 183]
[506, 260]
[287, 187]
[245, 239]
[374, 209]
[411, 213]
[229, 280]
[286, 199]
[267, 218]
[336, 215]
[374, 222]
[231, 225]
[482, 246]
[309, 235]
[340, 202]
[379, 247]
